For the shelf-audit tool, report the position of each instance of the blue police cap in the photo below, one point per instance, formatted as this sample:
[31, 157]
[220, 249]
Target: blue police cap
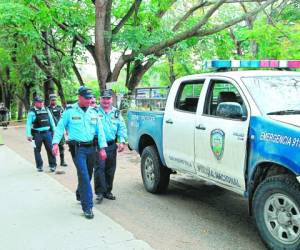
[85, 92]
[107, 93]
[38, 99]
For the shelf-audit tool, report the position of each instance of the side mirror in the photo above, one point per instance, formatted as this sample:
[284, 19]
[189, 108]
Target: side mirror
[231, 110]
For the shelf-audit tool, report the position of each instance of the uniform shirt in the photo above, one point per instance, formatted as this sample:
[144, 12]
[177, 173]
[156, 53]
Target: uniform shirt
[81, 126]
[113, 124]
[31, 118]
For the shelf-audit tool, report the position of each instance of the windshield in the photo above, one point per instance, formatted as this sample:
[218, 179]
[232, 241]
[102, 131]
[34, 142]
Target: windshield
[278, 95]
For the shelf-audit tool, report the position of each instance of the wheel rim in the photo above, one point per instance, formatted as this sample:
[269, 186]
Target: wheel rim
[282, 218]
[149, 171]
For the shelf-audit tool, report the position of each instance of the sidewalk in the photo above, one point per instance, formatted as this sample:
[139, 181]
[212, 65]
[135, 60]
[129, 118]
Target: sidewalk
[38, 213]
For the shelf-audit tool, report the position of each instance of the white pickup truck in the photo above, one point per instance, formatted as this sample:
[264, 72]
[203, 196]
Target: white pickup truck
[239, 130]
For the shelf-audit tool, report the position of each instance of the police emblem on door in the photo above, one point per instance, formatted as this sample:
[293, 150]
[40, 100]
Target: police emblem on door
[217, 141]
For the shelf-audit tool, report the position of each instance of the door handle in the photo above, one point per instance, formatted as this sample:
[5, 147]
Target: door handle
[169, 121]
[200, 126]
[240, 136]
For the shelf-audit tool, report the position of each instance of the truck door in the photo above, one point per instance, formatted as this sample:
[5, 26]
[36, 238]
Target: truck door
[179, 125]
[221, 134]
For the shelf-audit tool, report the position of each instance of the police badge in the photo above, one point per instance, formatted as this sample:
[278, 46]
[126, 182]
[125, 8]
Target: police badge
[217, 141]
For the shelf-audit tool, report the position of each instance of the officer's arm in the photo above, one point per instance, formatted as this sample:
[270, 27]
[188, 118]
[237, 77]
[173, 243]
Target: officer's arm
[101, 135]
[60, 128]
[30, 119]
[122, 130]
[52, 124]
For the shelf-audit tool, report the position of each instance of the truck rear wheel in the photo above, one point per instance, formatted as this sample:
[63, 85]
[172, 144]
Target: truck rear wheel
[276, 208]
[155, 176]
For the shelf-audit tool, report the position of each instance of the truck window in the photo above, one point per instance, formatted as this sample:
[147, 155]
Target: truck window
[221, 91]
[188, 95]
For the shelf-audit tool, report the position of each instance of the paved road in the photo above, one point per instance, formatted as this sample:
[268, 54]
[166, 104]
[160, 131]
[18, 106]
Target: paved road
[191, 215]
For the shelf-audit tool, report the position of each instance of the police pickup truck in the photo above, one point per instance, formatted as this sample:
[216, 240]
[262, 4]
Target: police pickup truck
[239, 130]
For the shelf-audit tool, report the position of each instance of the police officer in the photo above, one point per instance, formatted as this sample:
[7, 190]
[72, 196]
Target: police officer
[115, 131]
[56, 112]
[91, 159]
[38, 128]
[3, 115]
[82, 124]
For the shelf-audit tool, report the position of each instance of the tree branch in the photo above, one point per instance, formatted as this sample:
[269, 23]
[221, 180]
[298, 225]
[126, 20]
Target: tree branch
[119, 65]
[134, 7]
[196, 32]
[48, 73]
[188, 14]
[41, 65]
[184, 35]
[74, 67]
[205, 4]
[234, 21]
[236, 1]
[161, 13]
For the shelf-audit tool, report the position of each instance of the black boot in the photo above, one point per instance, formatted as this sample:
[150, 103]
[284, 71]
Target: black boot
[62, 161]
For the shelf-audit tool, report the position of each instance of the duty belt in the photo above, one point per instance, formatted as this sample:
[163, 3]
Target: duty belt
[81, 144]
[34, 131]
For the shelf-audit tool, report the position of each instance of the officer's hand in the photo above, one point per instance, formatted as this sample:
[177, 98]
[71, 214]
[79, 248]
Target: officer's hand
[102, 154]
[121, 147]
[55, 149]
[29, 138]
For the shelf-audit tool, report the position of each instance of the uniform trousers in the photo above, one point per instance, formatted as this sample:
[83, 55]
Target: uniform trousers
[43, 137]
[84, 189]
[105, 171]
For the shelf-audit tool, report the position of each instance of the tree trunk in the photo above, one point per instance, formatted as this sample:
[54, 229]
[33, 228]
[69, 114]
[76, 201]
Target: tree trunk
[172, 76]
[7, 89]
[48, 89]
[27, 102]
[237, 43]
[54, 79]
[77, 73]
[61, 93]
[103, 41]
[48, 83]
[137, 73]
[250, 24]
[2, 90]
[20, 110]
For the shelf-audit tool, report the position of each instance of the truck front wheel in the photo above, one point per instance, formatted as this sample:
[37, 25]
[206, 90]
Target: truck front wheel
[276, 208]
[155, 176]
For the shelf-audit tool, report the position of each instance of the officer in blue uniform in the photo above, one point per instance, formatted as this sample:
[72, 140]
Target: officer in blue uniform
[82, 124]
[115, 131]
[92, 159]
[38, 128]
[56, 112]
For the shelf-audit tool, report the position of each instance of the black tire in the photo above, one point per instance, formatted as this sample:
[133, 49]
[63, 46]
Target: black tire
[158, 180]
[271, 212]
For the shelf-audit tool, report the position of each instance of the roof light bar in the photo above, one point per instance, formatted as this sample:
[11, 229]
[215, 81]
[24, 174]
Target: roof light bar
[223, 64]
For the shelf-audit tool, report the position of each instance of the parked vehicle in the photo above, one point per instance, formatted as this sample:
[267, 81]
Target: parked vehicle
[239, 130]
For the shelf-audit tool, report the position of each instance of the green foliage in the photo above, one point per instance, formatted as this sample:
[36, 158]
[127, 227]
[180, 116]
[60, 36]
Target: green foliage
[22, 23]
